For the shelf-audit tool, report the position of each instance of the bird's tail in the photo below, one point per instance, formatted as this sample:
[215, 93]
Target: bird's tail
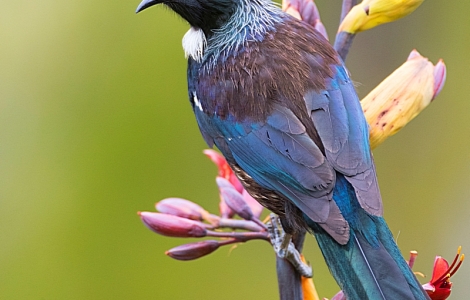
[370, 265]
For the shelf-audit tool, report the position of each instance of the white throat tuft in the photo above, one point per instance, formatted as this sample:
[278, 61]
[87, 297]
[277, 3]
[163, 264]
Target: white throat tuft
[194, 42]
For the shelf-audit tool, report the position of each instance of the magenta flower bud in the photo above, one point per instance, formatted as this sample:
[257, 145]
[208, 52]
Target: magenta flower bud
[173, 226]
[181, 208]
[307, 11]
[321, 28]
[193, 250]
[237, 203]
[411, 261]
[339, 296]
[439, 72]
[225, 210]
[439, 77]
[223, 183]
[256, 208]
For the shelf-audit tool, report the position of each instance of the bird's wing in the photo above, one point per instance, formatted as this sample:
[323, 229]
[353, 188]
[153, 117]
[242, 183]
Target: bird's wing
[279, 152]
[343, 130]
[279, 155]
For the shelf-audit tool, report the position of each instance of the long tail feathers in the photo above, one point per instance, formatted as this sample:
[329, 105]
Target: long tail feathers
[370, 265]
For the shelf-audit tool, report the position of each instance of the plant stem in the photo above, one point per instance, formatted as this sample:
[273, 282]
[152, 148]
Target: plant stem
[289, 281]
[239, 224]
[347, 5]
[344, 40]
[343, 43]
[240, 236]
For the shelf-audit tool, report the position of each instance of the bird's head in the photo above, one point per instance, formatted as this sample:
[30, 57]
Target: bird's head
[204, 14]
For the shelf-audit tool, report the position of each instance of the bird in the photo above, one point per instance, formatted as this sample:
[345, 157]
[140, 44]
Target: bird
[275, 98]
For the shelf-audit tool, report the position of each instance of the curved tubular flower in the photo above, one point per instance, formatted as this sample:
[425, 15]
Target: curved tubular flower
[401, 96]
[439, 287]
[224, 169]
[371, 13]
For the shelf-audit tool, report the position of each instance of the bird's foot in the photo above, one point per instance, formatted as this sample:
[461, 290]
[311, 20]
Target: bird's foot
[284, 248]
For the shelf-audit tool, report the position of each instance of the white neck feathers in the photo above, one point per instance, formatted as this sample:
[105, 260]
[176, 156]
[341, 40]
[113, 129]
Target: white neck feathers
[194, 42]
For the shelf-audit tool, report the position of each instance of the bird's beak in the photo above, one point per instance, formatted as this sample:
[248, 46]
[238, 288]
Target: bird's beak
[146, 4]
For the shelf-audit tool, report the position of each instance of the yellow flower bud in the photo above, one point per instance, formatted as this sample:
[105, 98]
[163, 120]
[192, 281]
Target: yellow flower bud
[402, 96]
[371, 13]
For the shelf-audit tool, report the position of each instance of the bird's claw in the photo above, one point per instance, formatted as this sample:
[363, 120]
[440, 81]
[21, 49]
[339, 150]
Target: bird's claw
[284, 248]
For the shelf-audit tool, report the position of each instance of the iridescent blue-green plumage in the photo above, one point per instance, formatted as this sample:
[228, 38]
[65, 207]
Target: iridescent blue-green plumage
[370, 265]
[273, 96]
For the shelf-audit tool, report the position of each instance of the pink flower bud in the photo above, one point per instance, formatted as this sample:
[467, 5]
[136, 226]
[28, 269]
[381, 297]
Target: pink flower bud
[193, 250]
[292, 8]
[339, 296]
[321, 28]
[439, 77]
[173, 226]
[307, 11]
[225, 210]
[411, 261]
[235, 200]
[223, 183]
[181, 208]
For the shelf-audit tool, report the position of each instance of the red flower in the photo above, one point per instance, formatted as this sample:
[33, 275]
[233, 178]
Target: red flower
[225, 172]
[439, 287]
[224, 169]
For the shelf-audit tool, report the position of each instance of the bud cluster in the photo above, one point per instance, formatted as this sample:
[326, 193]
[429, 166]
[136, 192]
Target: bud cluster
[178, 217]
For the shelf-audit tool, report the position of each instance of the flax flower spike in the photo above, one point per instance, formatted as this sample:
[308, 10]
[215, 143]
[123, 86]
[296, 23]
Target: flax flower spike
[371, 13]
[402, 96]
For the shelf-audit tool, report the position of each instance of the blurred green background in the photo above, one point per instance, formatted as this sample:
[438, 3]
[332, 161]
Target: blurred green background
[95, 125]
